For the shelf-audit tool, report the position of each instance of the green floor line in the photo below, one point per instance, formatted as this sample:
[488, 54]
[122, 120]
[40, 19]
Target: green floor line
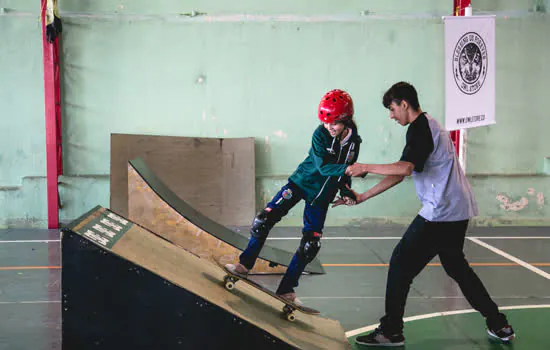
[465, 330]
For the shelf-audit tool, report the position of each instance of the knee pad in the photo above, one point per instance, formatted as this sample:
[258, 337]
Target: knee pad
[263, 222]
[310, 246]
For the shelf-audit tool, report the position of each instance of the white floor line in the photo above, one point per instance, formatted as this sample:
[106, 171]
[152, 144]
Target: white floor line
[33, 241]
[332, 238]
[325, 238]
[395, 237]
[444, 313]
[31, 302]
[510, 257]
[418, 297]
[510, 237]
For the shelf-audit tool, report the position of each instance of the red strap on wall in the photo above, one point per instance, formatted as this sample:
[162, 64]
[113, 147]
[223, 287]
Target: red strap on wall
[52, 101]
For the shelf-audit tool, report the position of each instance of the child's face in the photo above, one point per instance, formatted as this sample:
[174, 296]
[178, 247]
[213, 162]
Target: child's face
[335, 129]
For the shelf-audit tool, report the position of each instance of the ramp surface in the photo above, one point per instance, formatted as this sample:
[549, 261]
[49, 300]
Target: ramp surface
[153, 205]
[119, 279]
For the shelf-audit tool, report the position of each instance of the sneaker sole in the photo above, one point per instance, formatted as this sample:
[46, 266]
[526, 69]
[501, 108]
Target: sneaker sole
[386, 345]
[507, 339]
[241, 275]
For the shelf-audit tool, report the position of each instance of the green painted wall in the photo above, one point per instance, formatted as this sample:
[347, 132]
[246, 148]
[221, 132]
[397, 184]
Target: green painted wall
[248, 68]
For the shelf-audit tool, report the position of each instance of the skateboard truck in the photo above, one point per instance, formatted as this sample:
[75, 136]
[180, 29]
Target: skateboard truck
[288, 313]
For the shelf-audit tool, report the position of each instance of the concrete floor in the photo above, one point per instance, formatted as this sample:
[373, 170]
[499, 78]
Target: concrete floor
[352, 291]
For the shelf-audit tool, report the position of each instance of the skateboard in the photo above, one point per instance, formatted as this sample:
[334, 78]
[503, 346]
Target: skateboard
[289, 309]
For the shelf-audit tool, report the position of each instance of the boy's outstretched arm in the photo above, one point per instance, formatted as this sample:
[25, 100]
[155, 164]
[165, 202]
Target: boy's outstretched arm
[384, 185]
[401, 168]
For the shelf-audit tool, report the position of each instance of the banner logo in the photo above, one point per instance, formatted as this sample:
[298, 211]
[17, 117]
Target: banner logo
[470, 63]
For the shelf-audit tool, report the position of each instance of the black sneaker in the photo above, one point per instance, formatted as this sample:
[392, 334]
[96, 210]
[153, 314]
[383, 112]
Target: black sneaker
[504, 334]
[378, 338]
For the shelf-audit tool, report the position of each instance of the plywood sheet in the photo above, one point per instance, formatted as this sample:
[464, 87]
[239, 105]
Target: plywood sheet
[216, 176]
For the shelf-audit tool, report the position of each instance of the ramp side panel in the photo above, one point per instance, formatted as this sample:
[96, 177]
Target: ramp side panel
[111, 303]
[153, 205]
[201, 278]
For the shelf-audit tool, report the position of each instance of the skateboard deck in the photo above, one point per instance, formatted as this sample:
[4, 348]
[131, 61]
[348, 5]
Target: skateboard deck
[289, 309]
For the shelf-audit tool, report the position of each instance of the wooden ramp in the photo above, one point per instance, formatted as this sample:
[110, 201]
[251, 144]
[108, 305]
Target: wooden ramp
[126, 287]
[154, 206]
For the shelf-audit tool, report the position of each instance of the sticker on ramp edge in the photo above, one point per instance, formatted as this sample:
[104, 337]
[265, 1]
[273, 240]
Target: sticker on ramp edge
[106, 229]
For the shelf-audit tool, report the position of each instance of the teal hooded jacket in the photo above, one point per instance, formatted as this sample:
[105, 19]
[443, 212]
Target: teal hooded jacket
[322, 173]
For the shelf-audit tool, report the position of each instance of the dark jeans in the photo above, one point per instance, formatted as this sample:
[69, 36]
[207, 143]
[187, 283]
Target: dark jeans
[422, 241]
[314, 221]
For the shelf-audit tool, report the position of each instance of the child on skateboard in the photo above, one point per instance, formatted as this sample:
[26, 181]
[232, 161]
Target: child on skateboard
[335, 145]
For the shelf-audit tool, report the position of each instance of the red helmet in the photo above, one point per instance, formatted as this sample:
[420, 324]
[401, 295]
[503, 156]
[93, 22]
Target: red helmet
[335, 106]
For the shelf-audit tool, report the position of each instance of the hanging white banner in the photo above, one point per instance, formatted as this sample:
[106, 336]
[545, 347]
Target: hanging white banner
[469, 71]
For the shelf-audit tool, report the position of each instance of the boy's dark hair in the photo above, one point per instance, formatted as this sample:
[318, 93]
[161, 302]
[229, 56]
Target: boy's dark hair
[401, 91]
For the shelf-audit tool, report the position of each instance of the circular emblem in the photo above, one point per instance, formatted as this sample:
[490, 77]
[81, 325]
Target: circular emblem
[287, 194]
[470, 63]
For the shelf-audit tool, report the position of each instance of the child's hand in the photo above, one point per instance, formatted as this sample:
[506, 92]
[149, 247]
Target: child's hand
[358, 196]
[337, 202]
[349, 201]
[343, 200]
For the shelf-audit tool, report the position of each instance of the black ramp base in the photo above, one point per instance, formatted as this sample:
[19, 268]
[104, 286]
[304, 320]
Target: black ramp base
[111, 303]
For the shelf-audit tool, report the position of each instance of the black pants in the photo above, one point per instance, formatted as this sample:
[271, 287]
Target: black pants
[422, 241]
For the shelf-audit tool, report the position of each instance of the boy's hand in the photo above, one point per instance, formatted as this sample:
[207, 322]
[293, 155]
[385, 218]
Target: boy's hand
[356, 169]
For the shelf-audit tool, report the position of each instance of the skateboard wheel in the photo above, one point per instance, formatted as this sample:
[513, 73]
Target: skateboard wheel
[229, 284]
[291, 317]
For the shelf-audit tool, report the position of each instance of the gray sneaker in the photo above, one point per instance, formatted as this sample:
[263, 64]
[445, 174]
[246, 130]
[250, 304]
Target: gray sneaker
[292, 298]
[237, 269]
[505, 334]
